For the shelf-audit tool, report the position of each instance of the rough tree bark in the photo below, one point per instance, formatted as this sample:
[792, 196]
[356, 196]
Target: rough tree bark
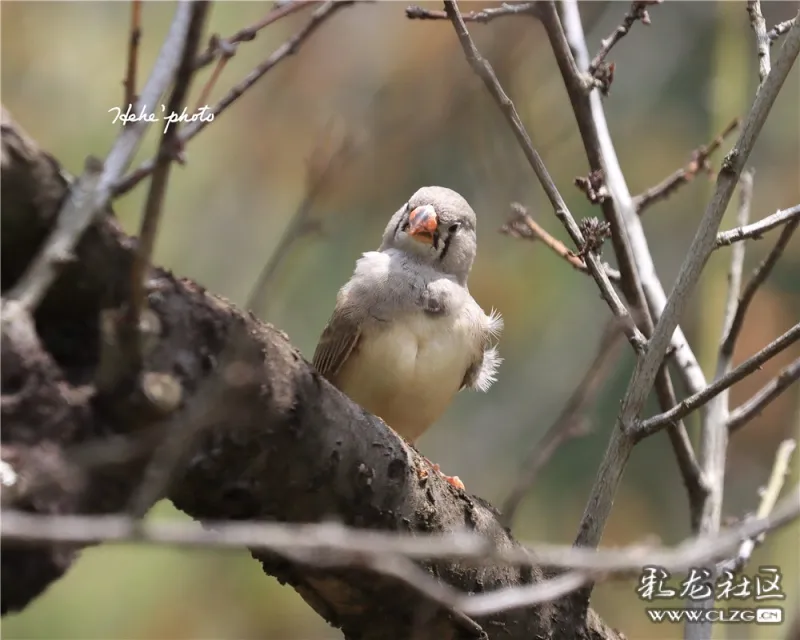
[278, 442]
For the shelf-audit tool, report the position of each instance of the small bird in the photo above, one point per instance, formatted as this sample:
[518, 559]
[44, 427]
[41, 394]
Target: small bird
[406, 335]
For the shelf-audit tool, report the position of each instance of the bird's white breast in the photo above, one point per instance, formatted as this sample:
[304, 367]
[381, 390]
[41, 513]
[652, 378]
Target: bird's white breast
[408, 371]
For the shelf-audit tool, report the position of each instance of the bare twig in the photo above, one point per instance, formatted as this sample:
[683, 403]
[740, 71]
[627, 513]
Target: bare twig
[205, 92]
[630, 227]
[769, 497]
[605, 73]
[647, 367]
[226, 47]
[685, 407]
[685, 175]
[92, 192]
[756, 280]
[484, 70]
[769, 392]
[757, 229]
[521, 225]
[779, 29]
[334, 545]
[639, 280]
[571, 423]
[714, 429]
[483, 16]
[158, 185]
[133, 53]
[762, 40]
[288, 48]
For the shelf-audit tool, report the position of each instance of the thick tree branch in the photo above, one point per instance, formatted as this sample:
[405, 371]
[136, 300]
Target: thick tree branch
[92, 191]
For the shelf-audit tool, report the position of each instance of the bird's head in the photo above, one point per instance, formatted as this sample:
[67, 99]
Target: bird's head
[437, 226]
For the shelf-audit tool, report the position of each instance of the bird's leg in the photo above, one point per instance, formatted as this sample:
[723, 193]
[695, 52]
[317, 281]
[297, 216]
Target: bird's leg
[452, 480]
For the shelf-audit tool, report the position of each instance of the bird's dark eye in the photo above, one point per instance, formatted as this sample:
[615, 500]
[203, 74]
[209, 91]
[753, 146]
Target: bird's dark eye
[453, 227]
[408, 207]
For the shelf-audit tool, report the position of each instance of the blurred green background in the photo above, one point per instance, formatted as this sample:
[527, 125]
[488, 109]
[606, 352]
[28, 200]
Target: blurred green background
[402, 91]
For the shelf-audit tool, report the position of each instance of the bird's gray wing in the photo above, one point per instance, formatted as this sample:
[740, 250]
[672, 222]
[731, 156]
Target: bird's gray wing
[337, 342]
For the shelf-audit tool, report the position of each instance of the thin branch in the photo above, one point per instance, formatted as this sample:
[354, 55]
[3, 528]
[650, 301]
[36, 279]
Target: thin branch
[769, 392]
[91, 193]
[607, 176]
[600, 564]
[321, 539]
[640, 280]
[647, 367]
[484, 70]
[133, 53]
[291, 46]
[638, 11]
[760, 274]
[753, 363]
[735, 271]
[158, 185]
[331, 544]
[226, 47]
[521, 225]
[714, 429]
[779, 29]
[483, 16]
[571, 423]
[762, 40]
[685, 175]
[769, 498]
[630, 226]
[757, 229]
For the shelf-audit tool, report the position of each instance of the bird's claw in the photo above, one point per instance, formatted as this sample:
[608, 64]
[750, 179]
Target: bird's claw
[454, 481]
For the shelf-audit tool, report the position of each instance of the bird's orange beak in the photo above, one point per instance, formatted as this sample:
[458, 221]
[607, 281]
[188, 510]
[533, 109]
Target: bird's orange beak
[423, 222]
